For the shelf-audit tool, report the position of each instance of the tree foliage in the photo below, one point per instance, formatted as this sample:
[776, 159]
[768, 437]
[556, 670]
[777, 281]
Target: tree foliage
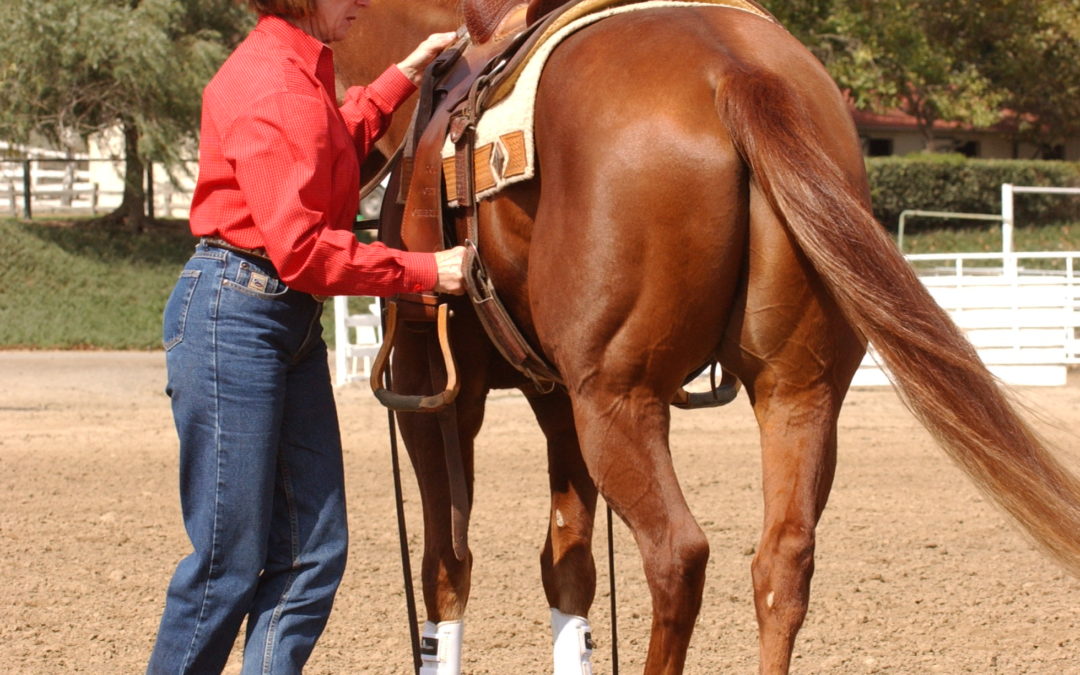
[73, 68]
[1041, 70]
[968, 61]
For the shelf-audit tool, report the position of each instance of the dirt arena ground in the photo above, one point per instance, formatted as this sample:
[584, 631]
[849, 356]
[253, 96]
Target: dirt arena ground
[916, 573]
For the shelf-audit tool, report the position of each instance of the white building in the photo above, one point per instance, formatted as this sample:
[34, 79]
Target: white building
[897, 133]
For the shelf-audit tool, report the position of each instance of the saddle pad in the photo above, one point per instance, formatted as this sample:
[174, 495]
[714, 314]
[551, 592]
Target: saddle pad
[504, 151]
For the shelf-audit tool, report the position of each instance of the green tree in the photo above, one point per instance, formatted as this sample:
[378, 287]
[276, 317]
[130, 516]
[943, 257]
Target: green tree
[967, 61]
[74, 68]
[920, 57]
[1038, 69]
[810, 21]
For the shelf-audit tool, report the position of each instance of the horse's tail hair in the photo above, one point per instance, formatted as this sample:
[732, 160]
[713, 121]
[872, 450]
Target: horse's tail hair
[935, 369]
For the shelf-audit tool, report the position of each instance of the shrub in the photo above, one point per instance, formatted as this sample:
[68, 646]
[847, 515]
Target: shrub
[954, 183]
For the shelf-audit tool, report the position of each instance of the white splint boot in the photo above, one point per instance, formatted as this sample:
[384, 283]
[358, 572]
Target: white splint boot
[573, 644]
[440, 648]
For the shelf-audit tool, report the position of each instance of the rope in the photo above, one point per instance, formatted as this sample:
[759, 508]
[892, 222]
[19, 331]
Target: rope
[611, 585]
[403, 541]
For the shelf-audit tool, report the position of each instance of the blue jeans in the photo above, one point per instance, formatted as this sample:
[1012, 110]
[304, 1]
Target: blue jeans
[261, 478]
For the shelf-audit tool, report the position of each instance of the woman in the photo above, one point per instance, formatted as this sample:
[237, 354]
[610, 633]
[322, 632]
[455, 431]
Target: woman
[261, 483]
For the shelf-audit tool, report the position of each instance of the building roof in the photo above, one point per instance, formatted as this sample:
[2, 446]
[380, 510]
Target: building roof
[895, 119]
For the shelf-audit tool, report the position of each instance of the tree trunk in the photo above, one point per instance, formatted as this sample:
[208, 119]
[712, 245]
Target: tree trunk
[132, 209]
[926, 129]
[924, 114]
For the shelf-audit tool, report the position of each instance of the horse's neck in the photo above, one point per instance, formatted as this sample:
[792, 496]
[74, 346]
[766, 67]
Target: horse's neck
[386, 32]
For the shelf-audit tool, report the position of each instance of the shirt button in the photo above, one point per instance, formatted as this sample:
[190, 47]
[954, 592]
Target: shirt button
[417, 288]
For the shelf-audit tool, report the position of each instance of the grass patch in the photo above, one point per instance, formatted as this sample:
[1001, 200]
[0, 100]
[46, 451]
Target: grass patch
[81, 285]
[986, 238]
[73, 284]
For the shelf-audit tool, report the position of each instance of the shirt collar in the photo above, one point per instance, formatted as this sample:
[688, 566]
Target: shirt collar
[316, 57]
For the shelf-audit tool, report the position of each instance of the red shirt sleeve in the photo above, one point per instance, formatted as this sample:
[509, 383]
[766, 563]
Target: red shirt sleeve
[286, 154]
[367, 110]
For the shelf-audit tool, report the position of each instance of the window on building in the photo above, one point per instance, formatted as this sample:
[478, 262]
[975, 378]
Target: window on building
[956, 145]
[877, 147]
[966, 148]
[1053, 152]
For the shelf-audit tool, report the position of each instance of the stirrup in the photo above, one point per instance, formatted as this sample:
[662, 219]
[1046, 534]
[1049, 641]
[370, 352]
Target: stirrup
[718, 394]
[408, 402]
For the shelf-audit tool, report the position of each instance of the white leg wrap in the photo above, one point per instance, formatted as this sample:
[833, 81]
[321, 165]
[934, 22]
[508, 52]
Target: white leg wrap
[440, 648]
[573, 644]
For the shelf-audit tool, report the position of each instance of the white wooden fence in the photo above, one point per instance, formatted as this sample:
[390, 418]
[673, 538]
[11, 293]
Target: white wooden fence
[55, 183]
[47, 181]
[1023, 321]
[357, 338]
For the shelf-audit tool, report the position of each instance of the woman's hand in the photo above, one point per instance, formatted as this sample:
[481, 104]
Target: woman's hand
[414, 64]
[451, 263]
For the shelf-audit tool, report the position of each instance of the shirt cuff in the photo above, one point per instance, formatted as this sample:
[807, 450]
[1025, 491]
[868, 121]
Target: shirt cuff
[392, 87]
[421, 271]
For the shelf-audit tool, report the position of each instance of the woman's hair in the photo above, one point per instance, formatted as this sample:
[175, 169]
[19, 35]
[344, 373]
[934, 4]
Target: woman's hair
[290, 9]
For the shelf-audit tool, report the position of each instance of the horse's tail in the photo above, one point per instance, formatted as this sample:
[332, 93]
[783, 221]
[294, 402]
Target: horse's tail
[936, 370]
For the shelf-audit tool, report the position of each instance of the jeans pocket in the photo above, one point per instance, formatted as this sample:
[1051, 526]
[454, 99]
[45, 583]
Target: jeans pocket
[176, 309]
[256, 282]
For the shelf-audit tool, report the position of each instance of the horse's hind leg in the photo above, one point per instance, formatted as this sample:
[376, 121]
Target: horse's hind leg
[796, 355]
[624, 438]
[798, 441]
[566, 564]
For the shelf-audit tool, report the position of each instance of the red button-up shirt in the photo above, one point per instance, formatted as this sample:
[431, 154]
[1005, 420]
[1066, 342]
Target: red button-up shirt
[279, 165]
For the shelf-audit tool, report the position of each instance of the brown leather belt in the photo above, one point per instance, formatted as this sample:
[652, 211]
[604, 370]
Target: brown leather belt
[216, 242]
[258, 253]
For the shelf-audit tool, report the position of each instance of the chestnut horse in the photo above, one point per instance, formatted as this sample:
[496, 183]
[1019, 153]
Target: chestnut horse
[699, 196]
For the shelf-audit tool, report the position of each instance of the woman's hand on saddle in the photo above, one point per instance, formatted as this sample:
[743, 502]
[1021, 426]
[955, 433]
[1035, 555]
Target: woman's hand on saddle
[451, 264]
[414, 64]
